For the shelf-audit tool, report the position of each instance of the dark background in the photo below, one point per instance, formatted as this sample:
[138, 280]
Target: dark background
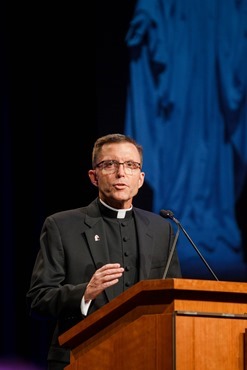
[63, 77]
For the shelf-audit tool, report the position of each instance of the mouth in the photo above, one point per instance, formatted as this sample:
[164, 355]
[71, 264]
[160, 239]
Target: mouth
[120, 186]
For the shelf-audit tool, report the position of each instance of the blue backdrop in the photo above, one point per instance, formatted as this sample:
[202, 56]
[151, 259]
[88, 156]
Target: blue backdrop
[187, 105]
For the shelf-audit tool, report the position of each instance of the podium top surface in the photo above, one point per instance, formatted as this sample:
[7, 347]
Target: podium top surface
[153, 293]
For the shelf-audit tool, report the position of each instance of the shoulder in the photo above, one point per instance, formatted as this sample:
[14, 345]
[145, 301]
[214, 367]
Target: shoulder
[73, 215]
[150, 217]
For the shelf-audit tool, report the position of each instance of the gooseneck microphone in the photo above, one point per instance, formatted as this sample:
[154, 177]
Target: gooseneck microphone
[171, 253]
[169, 214]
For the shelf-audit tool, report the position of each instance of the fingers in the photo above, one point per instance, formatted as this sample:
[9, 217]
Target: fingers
[103, 278]
[108, 274]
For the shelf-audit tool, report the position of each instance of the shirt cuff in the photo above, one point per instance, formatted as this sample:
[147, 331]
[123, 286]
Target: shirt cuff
[84, 306]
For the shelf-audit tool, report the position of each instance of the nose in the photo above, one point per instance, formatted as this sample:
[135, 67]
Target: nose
[120, 170]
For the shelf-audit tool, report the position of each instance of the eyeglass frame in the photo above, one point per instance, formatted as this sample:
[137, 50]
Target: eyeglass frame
[116, 165]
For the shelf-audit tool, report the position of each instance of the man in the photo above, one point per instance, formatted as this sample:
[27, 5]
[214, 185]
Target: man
[92, 254]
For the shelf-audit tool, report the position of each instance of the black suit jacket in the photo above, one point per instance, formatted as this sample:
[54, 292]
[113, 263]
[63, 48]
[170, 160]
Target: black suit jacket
[72, 248]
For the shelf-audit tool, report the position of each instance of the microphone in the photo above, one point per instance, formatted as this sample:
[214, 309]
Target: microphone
[169, 214]
[171, 253]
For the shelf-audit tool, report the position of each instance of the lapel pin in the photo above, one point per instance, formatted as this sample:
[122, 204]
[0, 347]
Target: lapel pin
[96, 238]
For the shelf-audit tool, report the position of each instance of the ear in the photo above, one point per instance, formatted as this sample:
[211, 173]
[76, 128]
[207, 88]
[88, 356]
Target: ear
[93, 177]
[141, 179]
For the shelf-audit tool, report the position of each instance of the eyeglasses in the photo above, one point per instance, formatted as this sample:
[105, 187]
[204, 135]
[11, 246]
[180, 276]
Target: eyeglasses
[112, 166]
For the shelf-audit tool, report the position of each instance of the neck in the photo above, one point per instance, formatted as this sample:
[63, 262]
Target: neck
[118, 213]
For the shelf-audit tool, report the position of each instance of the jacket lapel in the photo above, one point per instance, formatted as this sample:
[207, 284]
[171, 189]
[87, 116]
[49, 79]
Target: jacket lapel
[97, 243]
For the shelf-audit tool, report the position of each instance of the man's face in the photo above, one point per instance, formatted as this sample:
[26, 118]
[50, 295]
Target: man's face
[116, 187]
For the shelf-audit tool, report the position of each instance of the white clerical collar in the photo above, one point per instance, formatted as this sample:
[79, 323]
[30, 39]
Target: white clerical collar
[120, 212]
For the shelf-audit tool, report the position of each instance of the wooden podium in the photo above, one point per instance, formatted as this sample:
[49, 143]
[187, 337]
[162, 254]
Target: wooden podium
[171, 324]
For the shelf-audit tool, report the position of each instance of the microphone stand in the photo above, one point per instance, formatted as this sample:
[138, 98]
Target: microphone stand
[171, 253]
[197, 250]
[169, 214]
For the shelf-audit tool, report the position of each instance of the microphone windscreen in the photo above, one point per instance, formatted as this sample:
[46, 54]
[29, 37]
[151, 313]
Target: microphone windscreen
[166, 214]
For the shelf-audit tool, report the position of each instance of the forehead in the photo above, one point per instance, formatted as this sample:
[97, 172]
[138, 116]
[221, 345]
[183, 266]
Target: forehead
[120, 150]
